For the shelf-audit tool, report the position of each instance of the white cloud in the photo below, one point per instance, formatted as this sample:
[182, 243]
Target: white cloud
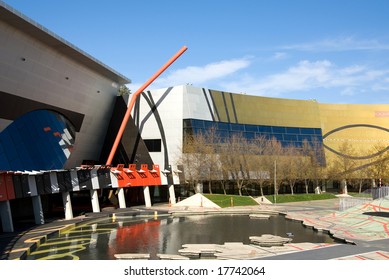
[339, 44]
[348, 91]
[279, 55]
[197, 75]
[200, 74]
[303, 76]
[307, 75]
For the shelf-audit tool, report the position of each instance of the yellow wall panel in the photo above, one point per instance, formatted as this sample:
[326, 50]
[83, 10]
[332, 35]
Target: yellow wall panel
[267, 111]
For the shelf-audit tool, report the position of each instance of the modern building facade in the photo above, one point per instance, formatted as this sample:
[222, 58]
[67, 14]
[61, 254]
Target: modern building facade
[60, 112]
[164, 116]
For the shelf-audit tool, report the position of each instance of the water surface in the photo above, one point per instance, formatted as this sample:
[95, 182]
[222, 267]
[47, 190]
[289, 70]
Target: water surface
[101, 239]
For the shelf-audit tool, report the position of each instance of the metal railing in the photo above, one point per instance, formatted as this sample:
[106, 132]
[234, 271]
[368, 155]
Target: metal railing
[348, 202]
[379, 192]
[371, 194]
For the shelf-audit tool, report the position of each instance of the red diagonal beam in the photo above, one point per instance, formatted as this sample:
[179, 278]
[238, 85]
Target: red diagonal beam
[133, 99]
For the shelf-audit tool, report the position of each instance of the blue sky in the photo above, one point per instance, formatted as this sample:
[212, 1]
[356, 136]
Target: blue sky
[333, 51]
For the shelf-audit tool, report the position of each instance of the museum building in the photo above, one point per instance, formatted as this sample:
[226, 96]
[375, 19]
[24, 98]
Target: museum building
[60, 111]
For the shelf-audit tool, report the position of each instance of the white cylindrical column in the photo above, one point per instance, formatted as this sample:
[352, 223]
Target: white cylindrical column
[121, 198]
[146, 194]
[67, 205]
[172, 195]
[95, 201]
[38, 210]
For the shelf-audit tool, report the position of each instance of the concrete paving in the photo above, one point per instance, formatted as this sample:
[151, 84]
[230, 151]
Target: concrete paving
[364, 230]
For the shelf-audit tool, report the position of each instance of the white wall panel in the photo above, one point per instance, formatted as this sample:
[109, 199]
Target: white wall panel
[195, 104]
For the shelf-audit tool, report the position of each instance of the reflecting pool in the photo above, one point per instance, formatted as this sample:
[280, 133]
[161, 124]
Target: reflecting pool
[101, 239]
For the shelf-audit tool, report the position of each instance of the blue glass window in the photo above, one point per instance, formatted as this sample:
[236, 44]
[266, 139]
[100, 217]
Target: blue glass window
[304, 137]
[249, 135]
[264, 128]
[306, 130]
[222, 126]
[278, 129]
[251, 128]
[317, 131]
[288, 136]
[237, 127]
[278, 136]
[198, 123]
[264, 135]
[209, 125]
[293, 130]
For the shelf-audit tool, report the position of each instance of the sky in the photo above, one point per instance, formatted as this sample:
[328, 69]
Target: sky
[333, 51]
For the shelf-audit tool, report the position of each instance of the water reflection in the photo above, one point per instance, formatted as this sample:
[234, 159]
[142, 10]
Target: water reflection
[100, 240]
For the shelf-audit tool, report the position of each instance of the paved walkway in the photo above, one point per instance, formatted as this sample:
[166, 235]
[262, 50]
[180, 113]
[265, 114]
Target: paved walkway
[364, 228]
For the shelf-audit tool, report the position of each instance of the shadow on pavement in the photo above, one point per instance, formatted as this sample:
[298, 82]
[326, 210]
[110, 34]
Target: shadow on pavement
[377, 214]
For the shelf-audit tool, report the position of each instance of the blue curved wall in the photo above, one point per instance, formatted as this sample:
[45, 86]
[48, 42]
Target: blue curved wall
[38, 140]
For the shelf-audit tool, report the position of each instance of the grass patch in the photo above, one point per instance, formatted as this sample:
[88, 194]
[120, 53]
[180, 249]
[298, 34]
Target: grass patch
[231, 200]
[284, 198]
[355, 194]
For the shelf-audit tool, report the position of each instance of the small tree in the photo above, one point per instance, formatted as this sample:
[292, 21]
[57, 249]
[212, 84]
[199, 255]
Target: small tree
[291, 169]
[311, 167]
[234, 160]
[274, 162]
[211, 160]
[258, 167]
[305, 164]
[124, 90]
[342, 166]
[192, 159]
[379, 166]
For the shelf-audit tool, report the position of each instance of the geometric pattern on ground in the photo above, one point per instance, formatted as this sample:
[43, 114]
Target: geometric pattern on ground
[365, 222]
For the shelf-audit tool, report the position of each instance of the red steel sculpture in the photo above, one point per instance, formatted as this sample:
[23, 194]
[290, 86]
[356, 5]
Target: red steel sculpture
[133, 99]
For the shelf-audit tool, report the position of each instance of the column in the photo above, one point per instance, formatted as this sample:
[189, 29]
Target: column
[121, 198]
[146, 193]
[38, 210]
[67, 204]
[95, 201]
[6, 216]
[172, 195]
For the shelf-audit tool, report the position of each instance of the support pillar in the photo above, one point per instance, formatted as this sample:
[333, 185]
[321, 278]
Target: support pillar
[6, 216]
[146, 194]
[67, 205]
[121, 198]
[95, 201]
[172, 195]
[38, 210]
